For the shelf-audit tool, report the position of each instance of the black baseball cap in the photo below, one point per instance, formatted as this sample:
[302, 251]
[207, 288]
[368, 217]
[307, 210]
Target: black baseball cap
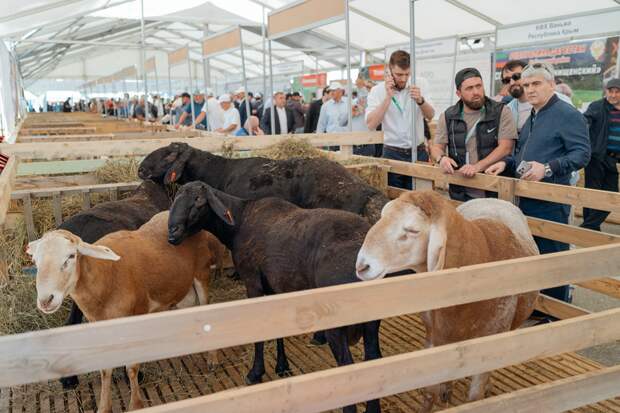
[185, 95]
[465, 74]
[296, 94]
[615, 82]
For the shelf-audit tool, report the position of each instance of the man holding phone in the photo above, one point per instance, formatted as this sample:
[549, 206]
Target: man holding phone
[389, 105]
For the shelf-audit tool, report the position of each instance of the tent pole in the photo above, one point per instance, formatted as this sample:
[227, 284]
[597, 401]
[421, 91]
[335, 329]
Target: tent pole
[273, 116]
[191, 91]
[349, 88]
[263, 33]
[205, 33]
[414, 106]
[456, 51]
[248, 111]
[170, 82]
[143, 61]
[493, 63]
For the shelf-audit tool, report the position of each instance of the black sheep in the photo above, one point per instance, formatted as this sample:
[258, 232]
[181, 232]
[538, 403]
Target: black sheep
[308, 183]
[278, 247]
[102, 219]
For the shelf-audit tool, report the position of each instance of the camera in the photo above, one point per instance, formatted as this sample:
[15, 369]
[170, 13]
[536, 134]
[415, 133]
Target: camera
[523, 167]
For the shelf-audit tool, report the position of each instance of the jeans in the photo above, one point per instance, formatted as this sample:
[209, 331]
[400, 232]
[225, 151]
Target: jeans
[396, 180]
[603, 175]
[555, 212]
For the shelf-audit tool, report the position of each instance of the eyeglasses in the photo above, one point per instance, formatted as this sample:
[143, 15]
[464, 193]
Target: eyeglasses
[539, 66]
[515, 77]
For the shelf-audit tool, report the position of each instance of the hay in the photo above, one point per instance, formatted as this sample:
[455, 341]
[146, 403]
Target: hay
[118, 170]
[290, 148]
[19, 309]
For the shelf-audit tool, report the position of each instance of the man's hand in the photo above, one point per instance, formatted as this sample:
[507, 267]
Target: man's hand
[447, 165]
[177, 126]
[390, 86]
[496, 169]
[469, 171]
[416, 94]
[536, 172]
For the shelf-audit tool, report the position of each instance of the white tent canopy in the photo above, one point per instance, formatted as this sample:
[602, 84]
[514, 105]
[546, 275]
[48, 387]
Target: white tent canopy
[86, 39]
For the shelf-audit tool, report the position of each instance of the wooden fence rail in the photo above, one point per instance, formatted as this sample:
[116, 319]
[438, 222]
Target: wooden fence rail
[49, 354]
[7, 180]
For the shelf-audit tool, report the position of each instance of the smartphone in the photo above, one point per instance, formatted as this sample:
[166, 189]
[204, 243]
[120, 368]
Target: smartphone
[388, 75]
[523, 167]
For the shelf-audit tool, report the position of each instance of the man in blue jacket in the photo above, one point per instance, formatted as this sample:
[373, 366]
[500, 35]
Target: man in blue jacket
[552, 143]
[603, 117]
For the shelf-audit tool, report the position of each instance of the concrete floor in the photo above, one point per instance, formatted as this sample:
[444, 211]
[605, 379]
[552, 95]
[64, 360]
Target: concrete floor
[607, 354]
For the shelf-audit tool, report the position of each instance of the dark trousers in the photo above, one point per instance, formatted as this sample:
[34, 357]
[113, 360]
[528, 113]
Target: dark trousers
[550, 211]
[396, 180]
[603, 175]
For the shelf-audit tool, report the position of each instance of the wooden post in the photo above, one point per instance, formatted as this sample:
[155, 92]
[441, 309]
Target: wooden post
[85, 200]
[57, 207]
[506, 190]
[28, 218]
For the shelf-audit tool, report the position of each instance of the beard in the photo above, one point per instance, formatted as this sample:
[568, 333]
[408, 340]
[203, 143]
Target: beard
[474, 104]
[516, 92]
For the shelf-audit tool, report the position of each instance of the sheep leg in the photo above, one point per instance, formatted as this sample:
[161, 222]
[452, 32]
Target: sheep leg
[105, 399]
[258, 366]
[339, 345]
[372, 351]
[318, 339]
[478, 386]
[75, 317]
[135, 402]
[282, 367]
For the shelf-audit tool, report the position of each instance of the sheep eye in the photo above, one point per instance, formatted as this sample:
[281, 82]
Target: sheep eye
[411, 231]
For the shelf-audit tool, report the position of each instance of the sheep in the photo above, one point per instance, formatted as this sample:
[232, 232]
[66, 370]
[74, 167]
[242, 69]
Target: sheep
[278, 247]
[423, 231]
[102, 219]
[123, 274]
[308, 183]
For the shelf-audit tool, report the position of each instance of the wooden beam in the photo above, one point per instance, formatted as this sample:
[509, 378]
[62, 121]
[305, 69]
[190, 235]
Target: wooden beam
[555, 397]
[7, 181]
[580, 237]
[607, 286]
[558, 309]
[49, 354]
[73, 190]
[333, 388]
[89, 150]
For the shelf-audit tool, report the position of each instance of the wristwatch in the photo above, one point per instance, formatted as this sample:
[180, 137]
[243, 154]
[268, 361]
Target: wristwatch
[421, 103]
[548, 171]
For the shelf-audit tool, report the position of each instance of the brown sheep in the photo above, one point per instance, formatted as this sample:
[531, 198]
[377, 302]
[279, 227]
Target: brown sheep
[147, 275]
[423, 231]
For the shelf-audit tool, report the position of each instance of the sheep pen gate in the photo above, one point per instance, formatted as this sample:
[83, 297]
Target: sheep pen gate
[532, 363]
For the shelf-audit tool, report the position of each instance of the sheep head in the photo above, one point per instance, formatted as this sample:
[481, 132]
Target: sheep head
[411, 234]
[56, 257]
[194, 205]
[166, 165]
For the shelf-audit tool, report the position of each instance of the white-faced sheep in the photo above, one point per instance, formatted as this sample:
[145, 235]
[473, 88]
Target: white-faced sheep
[123, 274]
[423, 231]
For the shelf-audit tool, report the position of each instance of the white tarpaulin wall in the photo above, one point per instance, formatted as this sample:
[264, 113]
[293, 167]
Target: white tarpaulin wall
[11, 102]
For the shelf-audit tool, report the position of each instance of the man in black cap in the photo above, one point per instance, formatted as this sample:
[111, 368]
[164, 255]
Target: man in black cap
[603, 117]
[477, 132]
[294, 104]
[312, 119]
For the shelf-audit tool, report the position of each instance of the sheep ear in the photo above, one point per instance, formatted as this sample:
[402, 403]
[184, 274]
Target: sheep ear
[31, 249]
[219, 208]
[436, 251]
[97, 251]
[176, 169]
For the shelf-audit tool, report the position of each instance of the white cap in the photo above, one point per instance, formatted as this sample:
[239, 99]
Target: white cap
[240, 90]
[209, 92]
[336, 86]
[258, 95]
[224, 98]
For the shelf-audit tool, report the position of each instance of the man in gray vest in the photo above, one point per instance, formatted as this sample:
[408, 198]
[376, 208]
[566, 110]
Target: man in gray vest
[477, 132]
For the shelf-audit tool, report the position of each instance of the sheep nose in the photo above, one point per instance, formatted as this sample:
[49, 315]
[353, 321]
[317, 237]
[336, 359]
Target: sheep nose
[142, 173]
[361, 267]
[46, 302]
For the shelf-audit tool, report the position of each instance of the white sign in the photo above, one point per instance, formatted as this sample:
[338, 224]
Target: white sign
[288, 68]
[559, 29]
[426, 48]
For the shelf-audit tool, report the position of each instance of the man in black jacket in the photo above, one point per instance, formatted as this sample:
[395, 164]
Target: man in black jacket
[282, 115]
[603, 117]
[312, 117]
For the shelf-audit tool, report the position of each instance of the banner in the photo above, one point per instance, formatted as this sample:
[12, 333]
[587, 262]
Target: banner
[426, 48]
[373, 72]
[178, 56]
[316, 80]
[149, 65]
[559, 29]
[584, 65]
[288, 68]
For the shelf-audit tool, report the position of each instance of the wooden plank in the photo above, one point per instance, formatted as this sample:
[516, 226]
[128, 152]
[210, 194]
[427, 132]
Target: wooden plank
[554, 397]
[346, 150]
[208, 142]
[607, 286]
[506, 190]
[53, 353]
[558, 309]
[57, 207]
[221, 42]
[303, 15]
[74, 190]
[338, 387]
[591, 198]
[113, 194]
[7, 181]
[85, 199]
[28, 217]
